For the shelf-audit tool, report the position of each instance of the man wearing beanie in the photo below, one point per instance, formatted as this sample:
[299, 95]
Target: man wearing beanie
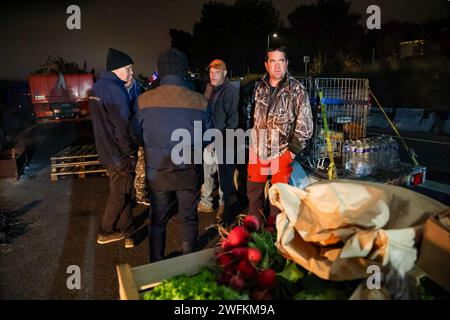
[161, 111]
[109, 106]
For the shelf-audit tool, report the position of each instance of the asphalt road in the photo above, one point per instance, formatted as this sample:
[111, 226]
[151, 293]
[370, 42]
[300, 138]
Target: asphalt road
[54, 225]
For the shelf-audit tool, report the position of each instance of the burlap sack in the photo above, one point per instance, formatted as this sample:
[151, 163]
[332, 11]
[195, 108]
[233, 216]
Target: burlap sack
[337, 229]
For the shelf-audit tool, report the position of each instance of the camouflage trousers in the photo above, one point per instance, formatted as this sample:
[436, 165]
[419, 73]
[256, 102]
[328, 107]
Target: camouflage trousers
[139, 181]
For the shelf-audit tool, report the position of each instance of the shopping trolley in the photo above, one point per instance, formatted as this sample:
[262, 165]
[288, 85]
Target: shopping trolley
[346, 103]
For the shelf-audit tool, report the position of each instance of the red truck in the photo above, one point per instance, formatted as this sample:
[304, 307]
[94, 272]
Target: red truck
[63, 96]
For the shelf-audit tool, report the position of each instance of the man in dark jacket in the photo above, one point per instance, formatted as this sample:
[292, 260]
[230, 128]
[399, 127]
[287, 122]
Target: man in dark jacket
[109, 106]
[164, 115]
[223, 114]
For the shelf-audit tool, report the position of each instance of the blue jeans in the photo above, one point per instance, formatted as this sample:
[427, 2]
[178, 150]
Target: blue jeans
[209, 171]
[162, 203]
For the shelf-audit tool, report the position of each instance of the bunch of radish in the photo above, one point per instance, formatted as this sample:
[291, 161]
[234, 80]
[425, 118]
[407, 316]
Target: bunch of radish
[245, 256]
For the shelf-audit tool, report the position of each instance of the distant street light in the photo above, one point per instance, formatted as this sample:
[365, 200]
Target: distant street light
[306, 61]
[268, 39]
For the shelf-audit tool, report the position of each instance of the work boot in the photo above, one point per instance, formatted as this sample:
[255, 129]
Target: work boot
[107, 237]
[143, 200]
[202, 208]
[129, 242]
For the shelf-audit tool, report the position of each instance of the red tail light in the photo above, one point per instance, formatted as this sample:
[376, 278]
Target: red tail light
[417, 179]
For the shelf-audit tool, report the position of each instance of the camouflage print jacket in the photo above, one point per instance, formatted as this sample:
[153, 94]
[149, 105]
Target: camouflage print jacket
[285, 115]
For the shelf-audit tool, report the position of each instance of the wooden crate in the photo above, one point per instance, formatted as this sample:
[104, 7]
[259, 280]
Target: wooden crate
[133, 281]
[12, 162]
[76, 160]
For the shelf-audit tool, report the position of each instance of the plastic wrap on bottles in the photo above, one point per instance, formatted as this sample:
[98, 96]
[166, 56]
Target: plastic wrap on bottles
[361, 164]
[382, 152]
[372, 155]
[367, 156]
[393, 155]
[348, 156]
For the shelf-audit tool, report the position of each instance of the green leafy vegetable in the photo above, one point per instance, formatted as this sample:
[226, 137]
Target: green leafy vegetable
[291, 272]
[202, 286]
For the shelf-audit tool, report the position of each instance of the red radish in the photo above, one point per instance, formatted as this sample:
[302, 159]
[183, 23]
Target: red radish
[240, 252]
[267, 279]
[230, 269]
[224, 277]
[260, 294]
[246, 269]
[238, 236]
[254, 255]
[271, 229]
[224, 260]
[237, 283]
[271, 220]
[225, 245]
[251, 223]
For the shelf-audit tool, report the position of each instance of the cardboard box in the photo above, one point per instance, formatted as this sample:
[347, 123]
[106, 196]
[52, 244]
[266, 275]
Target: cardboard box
[434, 258]
[133, 281]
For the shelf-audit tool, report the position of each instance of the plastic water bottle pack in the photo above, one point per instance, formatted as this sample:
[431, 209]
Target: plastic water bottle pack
[365, 157]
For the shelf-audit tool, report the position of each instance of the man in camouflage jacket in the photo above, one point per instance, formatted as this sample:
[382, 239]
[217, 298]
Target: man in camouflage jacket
[282, 122]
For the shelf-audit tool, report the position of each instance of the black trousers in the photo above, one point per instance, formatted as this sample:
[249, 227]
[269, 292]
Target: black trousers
[162, 203]
[226, 175]
[118, 216]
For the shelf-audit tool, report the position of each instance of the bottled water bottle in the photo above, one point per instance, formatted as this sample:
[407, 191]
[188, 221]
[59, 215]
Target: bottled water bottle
[349, 156]
[368, 155]
[393, 158]
[361, 159]
[346, 153]
[373, 155]
[384, 153]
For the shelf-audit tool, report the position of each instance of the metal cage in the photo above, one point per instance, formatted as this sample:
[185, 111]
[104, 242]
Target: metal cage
[346, 103]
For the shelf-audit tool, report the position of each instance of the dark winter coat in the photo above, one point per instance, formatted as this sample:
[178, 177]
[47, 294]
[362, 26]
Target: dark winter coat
[134, 91]
[161, 111]
[223, 106]
[109, 107]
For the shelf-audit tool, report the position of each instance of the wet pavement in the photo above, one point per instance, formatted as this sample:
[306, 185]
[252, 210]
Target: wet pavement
[53, 225]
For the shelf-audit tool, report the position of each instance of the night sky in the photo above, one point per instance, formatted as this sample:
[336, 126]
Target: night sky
[33, 30]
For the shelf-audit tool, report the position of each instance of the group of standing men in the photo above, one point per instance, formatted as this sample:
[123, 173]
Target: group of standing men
[124, 121]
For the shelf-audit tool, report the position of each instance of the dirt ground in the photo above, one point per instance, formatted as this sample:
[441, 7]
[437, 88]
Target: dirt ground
[53, 225]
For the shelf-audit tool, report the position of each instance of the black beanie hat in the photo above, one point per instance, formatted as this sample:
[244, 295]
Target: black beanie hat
[117, 59]
[172, 62]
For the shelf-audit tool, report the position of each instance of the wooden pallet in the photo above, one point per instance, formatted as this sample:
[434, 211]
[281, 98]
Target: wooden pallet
[76, 160]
